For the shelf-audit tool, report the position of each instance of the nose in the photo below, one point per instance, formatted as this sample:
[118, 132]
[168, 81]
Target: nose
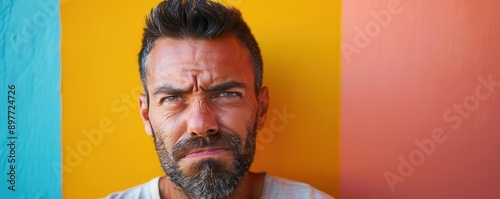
[201, 120]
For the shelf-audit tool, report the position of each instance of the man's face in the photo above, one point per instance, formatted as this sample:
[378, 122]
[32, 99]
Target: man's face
[203, 112]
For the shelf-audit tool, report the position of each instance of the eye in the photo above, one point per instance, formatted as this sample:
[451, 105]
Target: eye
[172, 99]
[229, 95]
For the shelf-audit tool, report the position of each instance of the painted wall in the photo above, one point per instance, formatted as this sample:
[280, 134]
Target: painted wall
[420, 99]
[105, 148]
[419, 104]
[30, 99]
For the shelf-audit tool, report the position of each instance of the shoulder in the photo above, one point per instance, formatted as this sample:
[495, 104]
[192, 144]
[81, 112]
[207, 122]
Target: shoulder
[276, 187]
[146, 190]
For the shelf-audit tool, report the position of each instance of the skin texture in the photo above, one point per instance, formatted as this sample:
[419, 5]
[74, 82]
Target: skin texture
[198, 88]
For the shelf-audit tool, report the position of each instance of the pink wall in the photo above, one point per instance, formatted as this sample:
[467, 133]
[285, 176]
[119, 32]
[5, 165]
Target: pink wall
[420, 106]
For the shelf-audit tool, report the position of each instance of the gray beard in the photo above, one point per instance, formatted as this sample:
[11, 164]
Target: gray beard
[211, 179]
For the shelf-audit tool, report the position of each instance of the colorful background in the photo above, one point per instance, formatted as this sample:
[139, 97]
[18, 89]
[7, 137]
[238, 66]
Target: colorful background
[30, 100]
[420, 99]
[369, 98]
[100, 43]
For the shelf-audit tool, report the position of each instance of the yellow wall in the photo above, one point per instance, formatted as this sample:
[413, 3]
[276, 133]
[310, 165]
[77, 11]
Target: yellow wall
[105, 148]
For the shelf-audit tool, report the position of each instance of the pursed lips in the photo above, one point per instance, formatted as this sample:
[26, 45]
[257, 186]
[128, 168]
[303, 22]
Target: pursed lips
[205, 152]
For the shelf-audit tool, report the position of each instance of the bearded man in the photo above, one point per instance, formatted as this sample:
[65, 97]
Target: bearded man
[201, 69]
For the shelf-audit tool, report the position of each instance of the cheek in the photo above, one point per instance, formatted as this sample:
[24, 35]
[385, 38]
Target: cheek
[237, 121]
[167, 129]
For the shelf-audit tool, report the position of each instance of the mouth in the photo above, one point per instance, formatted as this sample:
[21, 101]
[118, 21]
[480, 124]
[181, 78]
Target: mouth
[206, 152]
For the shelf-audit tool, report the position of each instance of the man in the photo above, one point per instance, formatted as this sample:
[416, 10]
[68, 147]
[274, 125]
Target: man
[202, 74]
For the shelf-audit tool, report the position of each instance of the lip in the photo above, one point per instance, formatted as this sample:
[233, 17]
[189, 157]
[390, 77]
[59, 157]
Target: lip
[205, 152]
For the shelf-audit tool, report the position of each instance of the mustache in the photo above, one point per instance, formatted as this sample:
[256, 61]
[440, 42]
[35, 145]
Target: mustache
[220, 139]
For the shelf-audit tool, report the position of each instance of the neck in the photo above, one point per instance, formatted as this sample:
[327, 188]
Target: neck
[251, 187]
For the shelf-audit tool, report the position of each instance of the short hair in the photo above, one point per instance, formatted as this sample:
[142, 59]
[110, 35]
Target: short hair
[199, 19]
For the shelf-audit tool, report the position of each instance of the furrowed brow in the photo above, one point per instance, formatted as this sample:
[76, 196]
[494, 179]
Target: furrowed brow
[169, 90]
[226, 86]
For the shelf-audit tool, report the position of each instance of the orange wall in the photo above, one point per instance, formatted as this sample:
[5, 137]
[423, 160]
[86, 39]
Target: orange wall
[418, 119]
[105, 148]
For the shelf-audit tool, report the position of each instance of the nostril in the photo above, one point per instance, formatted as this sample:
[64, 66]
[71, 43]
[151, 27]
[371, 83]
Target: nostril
[205, 133]
[211, 131]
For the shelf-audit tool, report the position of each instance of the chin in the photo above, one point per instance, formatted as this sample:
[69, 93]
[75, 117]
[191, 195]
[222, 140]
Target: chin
[211, 164]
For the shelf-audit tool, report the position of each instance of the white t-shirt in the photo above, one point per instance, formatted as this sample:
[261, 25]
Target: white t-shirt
[274, 188]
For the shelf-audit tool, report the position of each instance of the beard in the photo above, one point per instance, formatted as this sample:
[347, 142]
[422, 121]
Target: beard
[208, 178]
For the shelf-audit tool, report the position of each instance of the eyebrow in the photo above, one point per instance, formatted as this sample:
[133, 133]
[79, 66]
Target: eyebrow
[219, 87]
[170, 90]
[226, 86]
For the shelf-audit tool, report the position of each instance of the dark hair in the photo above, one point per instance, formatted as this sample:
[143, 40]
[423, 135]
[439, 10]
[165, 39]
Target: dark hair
[199, 19]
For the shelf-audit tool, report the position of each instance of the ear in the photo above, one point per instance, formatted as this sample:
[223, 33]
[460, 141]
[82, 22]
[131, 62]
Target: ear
[144, 111]
[263, 100]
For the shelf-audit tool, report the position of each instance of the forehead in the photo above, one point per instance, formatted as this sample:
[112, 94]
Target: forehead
[180, 60]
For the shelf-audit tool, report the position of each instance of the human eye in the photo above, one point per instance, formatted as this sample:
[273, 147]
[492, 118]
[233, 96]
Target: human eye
[229, 95]
[172, 99]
